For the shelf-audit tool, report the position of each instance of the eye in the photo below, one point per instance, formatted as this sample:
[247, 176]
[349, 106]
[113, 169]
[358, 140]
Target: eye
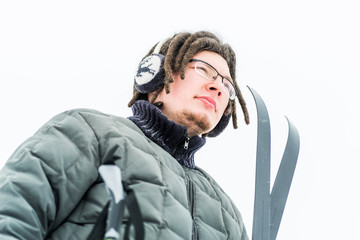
[227, 84]
[202, 69]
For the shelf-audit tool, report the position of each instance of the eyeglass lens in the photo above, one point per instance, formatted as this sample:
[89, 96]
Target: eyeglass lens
[211, 74]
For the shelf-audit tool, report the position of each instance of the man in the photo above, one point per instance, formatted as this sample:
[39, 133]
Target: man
[185, 91]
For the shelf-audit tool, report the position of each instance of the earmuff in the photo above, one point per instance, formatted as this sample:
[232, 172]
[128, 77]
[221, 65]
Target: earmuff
[150, 74]
[224, 121]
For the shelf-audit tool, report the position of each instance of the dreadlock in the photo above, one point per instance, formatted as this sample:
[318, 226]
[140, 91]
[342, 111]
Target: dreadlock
[179, 50]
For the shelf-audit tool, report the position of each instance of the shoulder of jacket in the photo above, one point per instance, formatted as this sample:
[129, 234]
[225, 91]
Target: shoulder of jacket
[76, 111]
[85, 113]
[98, 120]
[79, 119]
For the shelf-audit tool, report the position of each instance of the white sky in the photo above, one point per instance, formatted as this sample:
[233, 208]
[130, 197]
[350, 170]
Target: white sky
[302, 57]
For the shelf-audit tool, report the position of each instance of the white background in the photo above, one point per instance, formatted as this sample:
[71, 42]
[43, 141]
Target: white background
[302, 57]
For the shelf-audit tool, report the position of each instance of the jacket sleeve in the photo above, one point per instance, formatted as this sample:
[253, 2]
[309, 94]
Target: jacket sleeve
[47, 176]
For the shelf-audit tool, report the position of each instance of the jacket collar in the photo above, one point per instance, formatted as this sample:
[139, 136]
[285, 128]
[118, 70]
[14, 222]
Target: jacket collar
[166, 133]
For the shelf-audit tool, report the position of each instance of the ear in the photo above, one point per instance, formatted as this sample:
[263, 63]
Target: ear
[150, 73]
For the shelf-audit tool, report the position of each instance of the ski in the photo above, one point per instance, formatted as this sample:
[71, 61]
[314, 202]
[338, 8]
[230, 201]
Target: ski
[281, 188]
[269, 206]
[261, 219]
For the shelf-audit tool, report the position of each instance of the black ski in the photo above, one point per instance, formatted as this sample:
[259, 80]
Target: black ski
[269, 207]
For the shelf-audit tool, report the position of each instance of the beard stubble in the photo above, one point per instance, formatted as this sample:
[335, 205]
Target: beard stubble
[196, 124]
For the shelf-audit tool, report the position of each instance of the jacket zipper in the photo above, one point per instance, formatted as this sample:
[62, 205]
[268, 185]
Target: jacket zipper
[186, 144]
[195, 235]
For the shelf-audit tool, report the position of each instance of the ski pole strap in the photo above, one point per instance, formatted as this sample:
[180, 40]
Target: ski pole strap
[135, 218]
[269, 207]
[98, 231]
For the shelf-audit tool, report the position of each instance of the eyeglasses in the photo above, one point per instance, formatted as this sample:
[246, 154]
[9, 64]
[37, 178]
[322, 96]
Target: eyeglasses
[209, 72]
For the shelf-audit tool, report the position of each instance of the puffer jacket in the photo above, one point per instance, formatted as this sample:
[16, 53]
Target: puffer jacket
[50, 187]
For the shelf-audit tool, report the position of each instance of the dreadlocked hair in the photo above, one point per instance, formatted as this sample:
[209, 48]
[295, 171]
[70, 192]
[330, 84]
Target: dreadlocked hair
[179, 50]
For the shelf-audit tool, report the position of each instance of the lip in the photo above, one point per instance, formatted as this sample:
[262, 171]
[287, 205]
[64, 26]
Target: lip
[208, 101]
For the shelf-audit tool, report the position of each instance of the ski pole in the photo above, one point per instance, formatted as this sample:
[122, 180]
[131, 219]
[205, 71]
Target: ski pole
[111, 175]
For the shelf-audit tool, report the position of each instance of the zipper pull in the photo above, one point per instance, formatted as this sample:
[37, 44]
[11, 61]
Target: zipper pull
[186, 144]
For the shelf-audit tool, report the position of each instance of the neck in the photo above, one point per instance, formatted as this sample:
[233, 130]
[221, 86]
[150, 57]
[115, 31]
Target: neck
[167, 134]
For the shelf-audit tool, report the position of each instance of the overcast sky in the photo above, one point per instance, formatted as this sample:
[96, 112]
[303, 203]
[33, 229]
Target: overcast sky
[302, 57]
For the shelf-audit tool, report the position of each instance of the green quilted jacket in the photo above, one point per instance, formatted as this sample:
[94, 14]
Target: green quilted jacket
[50, 187]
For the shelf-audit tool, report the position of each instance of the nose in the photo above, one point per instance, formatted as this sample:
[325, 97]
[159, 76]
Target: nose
[216, 86]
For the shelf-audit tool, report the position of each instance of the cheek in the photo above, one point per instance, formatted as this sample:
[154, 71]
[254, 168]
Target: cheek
[181, 87]
[223, 105]
[179, 94]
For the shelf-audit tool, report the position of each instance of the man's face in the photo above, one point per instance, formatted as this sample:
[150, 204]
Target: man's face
[196, 102]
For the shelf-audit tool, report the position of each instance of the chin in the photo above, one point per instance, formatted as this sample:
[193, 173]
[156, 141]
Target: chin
[200, 123]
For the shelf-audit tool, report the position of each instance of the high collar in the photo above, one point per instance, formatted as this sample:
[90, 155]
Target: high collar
[166, 133]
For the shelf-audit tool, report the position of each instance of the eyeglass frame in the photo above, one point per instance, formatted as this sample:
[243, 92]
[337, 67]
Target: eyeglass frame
[218, 74]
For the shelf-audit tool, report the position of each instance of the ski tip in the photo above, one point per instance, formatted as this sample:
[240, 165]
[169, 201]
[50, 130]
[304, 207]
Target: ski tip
[260, 106]
[256, 96]
[293, 132]
[251, 89]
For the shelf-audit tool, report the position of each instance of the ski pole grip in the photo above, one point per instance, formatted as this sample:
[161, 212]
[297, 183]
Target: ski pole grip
[111, 175]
